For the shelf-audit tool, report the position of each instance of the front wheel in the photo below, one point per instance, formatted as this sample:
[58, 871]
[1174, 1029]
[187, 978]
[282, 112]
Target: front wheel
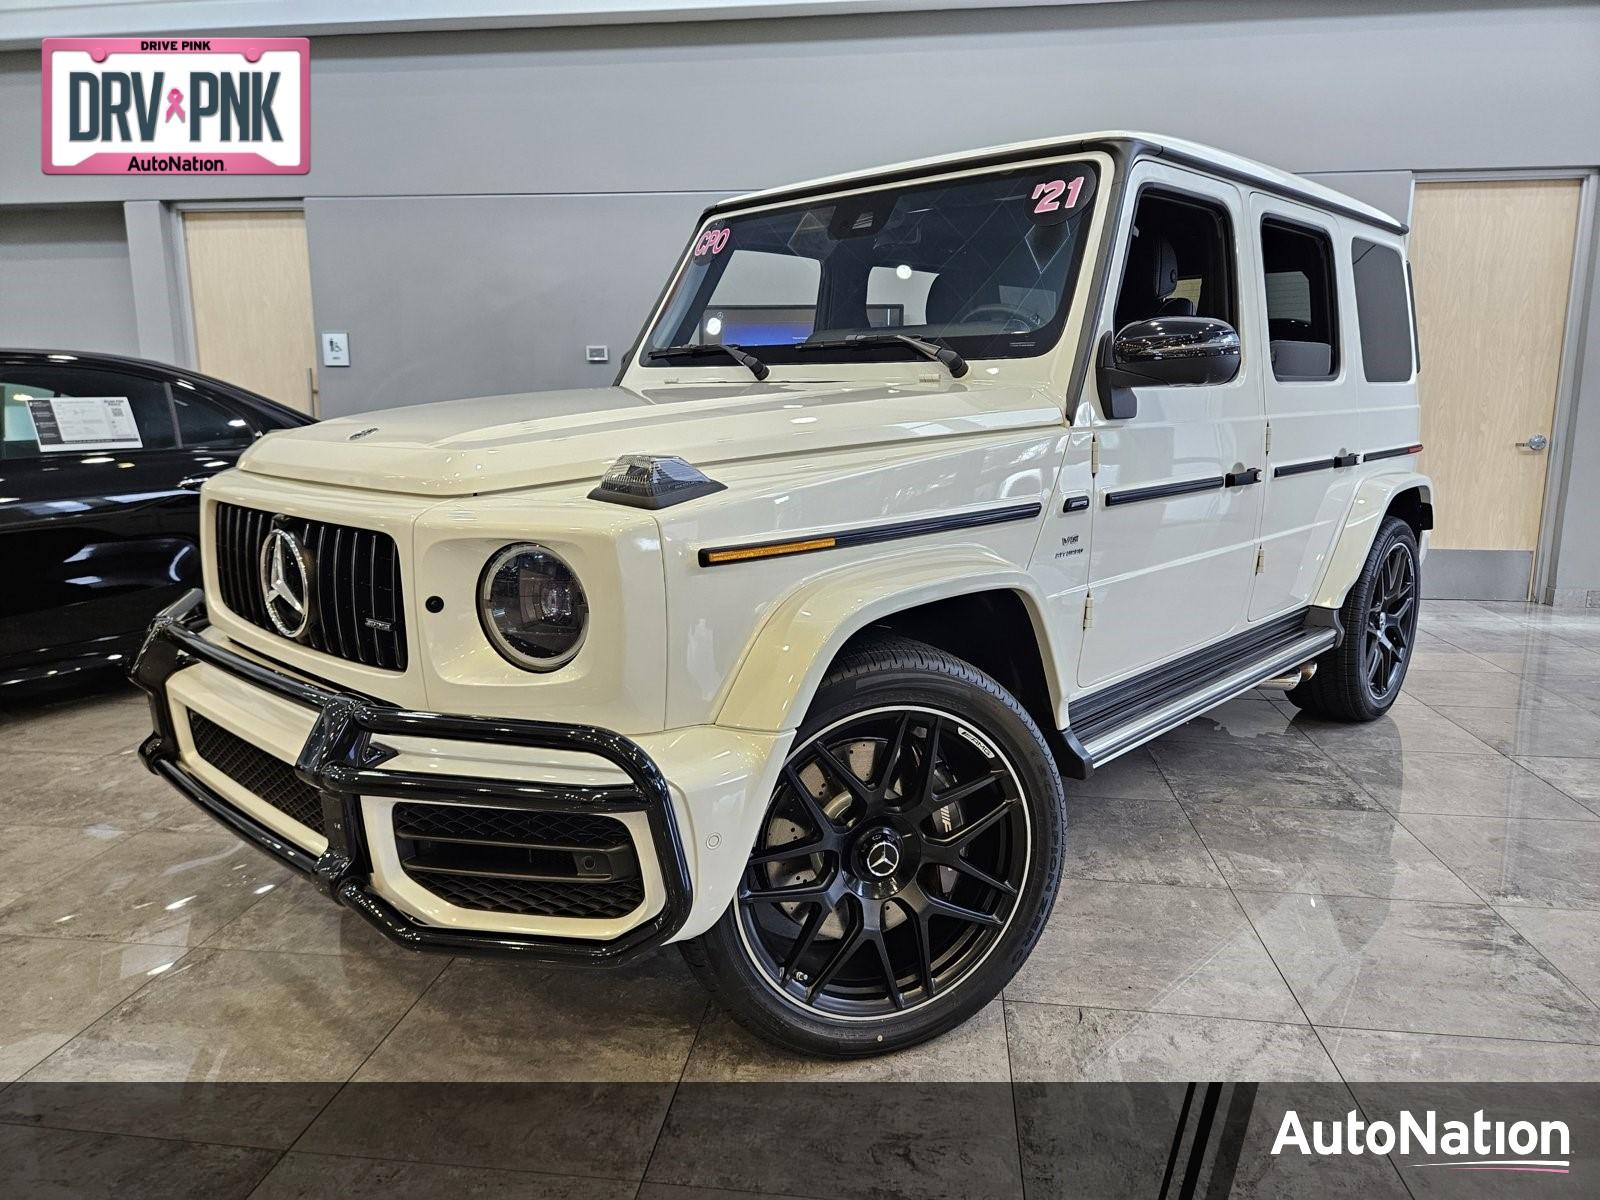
[1359, 680]
[906, 864]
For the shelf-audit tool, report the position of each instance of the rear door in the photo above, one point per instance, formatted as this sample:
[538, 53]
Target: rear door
[1303, 311]
[1175, 513]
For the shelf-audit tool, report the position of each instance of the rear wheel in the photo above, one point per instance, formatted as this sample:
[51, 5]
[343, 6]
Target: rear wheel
[907, 861]
[1360, 679]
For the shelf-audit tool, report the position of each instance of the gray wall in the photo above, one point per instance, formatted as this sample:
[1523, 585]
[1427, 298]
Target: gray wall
[478, 295]
[65, 280]
[483, 204]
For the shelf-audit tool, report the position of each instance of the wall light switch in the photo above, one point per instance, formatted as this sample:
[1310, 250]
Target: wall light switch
[597, 354]
[336, 349]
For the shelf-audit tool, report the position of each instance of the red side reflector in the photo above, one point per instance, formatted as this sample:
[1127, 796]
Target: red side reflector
[1417, 449]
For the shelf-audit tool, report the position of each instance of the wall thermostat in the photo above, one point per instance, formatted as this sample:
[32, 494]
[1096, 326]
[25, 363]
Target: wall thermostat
[597, 353]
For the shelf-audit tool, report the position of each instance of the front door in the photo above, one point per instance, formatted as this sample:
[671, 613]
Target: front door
[1175, 511]
[1493, 266]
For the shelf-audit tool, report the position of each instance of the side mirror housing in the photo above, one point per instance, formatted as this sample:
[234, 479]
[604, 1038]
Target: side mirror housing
[1164, 352]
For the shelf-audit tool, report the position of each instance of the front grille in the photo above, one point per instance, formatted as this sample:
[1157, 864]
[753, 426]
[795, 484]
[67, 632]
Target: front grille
[514, 861]
[527, 898]
[260, 774]
[506, 826]
[356, 609]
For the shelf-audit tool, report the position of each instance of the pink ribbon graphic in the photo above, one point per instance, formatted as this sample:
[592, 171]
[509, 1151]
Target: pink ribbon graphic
[175, 105]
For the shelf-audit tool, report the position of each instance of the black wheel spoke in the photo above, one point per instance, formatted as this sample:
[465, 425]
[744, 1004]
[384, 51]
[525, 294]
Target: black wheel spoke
[973, 830]
[788, 852]
[849, 944]
[939, 906]
[924, 946]
[926, 779]
[803, 942]
[824, 824]
[819, 892]
[836, 770]
[957, 792]
[947, 857]
[891, 756]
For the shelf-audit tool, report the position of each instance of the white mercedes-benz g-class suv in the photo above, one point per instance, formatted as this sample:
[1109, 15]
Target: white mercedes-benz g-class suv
[924, 490]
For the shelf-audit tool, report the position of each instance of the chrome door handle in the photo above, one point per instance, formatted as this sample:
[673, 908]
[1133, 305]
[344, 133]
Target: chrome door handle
[193, 483]
[1536, 443]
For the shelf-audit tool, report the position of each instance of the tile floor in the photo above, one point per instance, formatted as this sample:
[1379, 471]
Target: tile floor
[1258, 895]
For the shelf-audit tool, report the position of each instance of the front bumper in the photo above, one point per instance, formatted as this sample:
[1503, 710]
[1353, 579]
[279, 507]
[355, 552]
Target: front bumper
[345, 766]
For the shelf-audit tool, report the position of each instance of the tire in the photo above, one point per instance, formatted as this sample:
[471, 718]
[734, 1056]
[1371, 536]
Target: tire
[1360, 679]
[992, 800]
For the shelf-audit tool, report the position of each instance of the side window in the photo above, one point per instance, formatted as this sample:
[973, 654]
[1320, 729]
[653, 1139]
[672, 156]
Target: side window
[1302, 314]
[1180, 261]
[147, 398]
[204, 422]
[1383, 312]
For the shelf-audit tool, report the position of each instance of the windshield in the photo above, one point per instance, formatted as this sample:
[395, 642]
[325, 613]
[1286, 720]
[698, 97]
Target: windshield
[984, 265]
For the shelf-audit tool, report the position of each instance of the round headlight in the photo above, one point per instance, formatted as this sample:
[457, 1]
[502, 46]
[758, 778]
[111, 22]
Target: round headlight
[532, 607]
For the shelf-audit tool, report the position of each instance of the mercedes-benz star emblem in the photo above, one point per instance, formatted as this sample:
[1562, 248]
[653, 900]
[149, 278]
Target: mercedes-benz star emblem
[883, 858]
[286, 583]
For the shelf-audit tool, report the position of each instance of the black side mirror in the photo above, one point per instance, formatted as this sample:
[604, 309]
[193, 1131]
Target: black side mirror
[1164, 352]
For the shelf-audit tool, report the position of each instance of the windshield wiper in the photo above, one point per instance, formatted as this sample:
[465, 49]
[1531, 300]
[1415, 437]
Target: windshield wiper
[931, 351]
[743, 357]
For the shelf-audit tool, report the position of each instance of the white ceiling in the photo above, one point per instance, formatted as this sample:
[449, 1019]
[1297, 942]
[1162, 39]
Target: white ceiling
[23, 23]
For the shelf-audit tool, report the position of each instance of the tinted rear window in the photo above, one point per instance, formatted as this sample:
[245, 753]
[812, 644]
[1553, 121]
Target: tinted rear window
[1383, 311]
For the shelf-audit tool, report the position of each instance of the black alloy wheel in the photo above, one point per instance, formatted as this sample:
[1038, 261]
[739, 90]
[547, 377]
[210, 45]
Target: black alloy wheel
[1360, 678]
[1391, 623]
[889, 864]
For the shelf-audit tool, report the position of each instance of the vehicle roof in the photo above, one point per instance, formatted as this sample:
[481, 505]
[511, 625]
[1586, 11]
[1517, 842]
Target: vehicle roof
[1196, 154]
[21, 356]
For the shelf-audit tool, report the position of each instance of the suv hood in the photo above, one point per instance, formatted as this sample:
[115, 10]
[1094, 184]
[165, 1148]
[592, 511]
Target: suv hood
[499, 443]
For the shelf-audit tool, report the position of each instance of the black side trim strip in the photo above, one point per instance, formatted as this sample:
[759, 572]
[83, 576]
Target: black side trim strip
[1157, 491]
[1303, 468]
[1394, 452]
[1123, 702]
[1075, 504]
[873, 533]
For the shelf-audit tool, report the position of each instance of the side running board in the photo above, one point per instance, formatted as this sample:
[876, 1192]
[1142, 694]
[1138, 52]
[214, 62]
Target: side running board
[1114, 720]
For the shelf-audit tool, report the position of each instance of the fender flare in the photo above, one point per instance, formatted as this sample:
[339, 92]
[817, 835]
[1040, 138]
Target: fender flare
[1371, 503]
[784, 662]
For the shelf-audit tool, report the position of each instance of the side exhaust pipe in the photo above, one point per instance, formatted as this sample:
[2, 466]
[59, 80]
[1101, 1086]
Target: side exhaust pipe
[1293, 679]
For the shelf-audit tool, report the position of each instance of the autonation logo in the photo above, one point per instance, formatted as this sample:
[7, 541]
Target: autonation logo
[1476, 1145]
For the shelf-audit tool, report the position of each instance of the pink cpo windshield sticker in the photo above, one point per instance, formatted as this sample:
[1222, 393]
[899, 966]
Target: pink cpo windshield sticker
[712, 243]
[177, 106]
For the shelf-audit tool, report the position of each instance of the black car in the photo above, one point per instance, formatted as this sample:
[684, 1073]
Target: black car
[99, 516]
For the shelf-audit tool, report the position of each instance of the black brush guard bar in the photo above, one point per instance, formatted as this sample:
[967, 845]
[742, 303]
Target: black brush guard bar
[342, 762]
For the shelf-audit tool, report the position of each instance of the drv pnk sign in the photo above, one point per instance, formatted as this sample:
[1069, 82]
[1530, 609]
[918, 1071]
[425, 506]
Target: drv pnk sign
[171, 106]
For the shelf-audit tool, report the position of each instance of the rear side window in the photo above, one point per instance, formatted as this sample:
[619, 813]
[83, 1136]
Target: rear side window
[1302, 313]
[1383, 312]
[152, 411]
[204, 422]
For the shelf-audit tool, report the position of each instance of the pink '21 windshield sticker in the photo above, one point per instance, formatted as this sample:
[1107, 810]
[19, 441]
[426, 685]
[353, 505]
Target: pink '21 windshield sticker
[171, 106]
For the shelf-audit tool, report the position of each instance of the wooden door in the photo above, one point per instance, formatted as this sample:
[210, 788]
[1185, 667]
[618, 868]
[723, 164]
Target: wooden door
[250, 291]
[1493, 268]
